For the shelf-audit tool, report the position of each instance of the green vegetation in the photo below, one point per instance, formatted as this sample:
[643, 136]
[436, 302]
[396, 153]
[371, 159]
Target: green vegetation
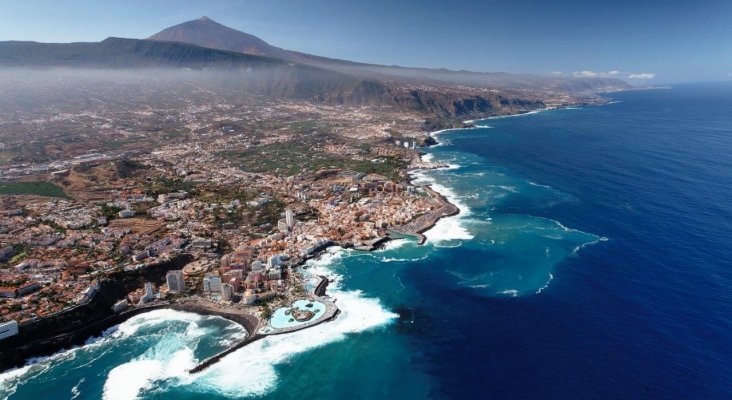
[267, 214]
[36, 188]
[6, 157]
[28, 152]
[18, 257]
[115, 144]
[290, 158]
[164, 185]
[266, 312]
[307, 126]
[224, 194]
[110, 212]
[175, 134]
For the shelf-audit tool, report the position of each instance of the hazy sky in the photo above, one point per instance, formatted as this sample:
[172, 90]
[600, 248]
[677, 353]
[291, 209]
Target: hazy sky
[670, 41]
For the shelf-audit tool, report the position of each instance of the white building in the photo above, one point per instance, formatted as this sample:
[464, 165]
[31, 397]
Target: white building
[282, 226]
[149, 293]
[176, 283]
[8, 329]
[211, 283]
[274, 261]
[290, 218]
[120, 306]
[257, 266]
[126, 214]
[227, 292]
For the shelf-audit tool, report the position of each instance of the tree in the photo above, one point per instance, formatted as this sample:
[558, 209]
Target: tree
[266, 312]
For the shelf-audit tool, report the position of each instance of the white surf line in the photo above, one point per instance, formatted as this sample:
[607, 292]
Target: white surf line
[358, 314]
[446, 228]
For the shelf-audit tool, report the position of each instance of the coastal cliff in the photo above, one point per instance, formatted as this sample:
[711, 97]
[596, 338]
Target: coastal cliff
[74, 326]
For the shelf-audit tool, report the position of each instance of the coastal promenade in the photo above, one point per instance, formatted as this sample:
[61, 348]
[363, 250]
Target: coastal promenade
[256, 332]
[330, 313]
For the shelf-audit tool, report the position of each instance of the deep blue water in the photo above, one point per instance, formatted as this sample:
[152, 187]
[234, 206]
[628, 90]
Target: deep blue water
[646, 314]
[592, 260]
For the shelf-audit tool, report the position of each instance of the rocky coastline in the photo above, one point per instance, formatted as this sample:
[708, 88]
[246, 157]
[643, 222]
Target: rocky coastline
[94, 318]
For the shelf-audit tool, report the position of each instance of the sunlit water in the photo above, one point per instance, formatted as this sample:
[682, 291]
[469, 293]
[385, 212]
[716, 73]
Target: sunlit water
[590, 260]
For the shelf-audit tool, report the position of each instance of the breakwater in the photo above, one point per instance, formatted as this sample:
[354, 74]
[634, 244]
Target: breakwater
[330, 313]
[17, 356]
[322, 285]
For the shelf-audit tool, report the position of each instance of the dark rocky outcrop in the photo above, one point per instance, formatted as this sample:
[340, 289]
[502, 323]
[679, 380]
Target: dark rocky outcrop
[74, 326]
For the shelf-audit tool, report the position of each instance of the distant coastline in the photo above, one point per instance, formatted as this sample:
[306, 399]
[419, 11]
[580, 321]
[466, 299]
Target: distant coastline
[51, 344]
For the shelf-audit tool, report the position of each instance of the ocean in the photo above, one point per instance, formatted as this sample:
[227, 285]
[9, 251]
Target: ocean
[592, 259]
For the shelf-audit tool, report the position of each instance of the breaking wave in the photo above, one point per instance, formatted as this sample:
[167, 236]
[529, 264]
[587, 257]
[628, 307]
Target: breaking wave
[358, 314]
[162, 345]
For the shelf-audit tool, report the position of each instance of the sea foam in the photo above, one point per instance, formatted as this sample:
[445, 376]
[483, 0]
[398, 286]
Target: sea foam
[167, 359]
[170, 354]
[249, 371]
[447, 229]
[358, 313]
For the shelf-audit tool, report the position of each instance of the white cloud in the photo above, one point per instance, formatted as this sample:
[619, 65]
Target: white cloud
[585, 74]
[642, 75]
[556, 73]
[595, 74]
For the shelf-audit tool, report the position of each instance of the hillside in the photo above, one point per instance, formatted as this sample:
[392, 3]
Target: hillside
[442, 93]
[205, 32]
[260, 75]
[208, 33]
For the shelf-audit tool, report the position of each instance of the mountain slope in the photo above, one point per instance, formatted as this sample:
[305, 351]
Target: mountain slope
[256, 74]
[261, 76]
[208, 33]
[442, 93]
[124, 53]
[205, 32]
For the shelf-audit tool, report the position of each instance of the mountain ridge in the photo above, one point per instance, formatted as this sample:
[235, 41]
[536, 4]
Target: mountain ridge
[255, 74]
[206, 32]
[440, 92]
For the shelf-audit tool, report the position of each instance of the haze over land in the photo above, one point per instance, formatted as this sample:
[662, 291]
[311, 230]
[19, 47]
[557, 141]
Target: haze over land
[671, 41]
[91, 132]
[258, 68]
[348, 199]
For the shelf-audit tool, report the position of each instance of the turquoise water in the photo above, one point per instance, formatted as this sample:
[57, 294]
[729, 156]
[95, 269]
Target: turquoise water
[311, 281]
[590, 260]
[281, 320]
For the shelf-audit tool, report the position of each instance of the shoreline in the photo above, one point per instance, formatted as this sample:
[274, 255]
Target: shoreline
[415, 228]
[79, 337]
[443, 198]
[252, 324]
[449, 209]
[248, 321]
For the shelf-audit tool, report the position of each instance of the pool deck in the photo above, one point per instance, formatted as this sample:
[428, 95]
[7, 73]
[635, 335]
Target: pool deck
[254, 326]
[330, 312]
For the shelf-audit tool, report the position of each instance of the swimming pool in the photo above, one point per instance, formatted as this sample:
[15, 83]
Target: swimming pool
[282, 319]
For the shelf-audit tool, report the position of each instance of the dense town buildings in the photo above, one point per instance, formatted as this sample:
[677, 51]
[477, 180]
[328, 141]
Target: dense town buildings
[244, 229]
[247, 187]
